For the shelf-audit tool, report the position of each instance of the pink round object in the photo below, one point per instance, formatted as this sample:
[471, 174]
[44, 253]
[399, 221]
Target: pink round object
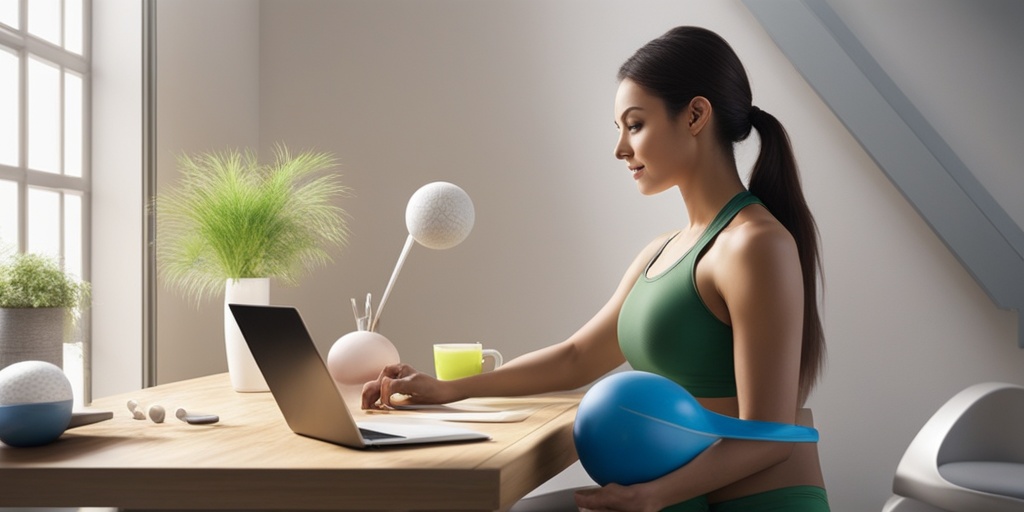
[359, 356]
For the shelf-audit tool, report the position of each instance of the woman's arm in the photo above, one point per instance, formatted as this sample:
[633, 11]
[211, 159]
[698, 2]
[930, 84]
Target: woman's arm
[757, 274]
[589, 353]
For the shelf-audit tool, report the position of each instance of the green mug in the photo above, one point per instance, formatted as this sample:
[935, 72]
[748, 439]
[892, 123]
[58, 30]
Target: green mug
[457, 360]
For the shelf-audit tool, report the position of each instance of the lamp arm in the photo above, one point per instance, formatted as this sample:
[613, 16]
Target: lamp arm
[391, 283]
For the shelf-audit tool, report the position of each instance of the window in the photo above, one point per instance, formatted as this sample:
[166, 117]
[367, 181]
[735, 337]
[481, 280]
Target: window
[44, 120]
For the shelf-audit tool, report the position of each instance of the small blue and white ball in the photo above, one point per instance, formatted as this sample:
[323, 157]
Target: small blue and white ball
[35, 403]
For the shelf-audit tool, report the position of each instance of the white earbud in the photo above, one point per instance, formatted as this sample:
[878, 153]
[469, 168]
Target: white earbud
[195, 419]
[133, 407]
[157, 413]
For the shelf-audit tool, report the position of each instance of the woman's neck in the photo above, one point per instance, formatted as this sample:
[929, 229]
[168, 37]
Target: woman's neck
[709, 189]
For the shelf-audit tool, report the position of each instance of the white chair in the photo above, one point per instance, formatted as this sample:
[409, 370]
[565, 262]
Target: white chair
[561, 500]
[557, 494]
[969, 457]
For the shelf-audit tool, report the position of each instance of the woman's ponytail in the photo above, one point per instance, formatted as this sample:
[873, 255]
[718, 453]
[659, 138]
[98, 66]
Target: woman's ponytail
[776, 182]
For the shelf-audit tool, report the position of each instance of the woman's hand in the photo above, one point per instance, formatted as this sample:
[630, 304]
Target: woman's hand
[402, 379]
[617, 498]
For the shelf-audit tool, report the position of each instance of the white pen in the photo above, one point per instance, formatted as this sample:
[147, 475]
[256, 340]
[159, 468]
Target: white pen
[369, 313]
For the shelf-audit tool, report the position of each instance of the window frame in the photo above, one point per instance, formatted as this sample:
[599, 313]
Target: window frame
[26, 46]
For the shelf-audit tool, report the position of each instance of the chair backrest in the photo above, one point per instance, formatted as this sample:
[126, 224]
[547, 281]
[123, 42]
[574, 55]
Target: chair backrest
[981, 423]
[987, 429]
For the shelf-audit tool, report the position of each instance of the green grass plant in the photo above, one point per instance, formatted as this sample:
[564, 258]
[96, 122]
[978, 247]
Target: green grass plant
[35, 281]
[233, 218]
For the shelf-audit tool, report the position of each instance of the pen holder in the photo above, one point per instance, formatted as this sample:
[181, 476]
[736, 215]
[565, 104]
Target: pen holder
[359, 356]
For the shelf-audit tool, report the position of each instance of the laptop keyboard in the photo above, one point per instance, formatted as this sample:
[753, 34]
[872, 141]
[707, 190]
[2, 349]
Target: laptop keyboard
[373, 435]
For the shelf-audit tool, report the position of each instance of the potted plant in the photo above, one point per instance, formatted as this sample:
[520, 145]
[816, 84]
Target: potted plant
[234, 223]
[39, 304]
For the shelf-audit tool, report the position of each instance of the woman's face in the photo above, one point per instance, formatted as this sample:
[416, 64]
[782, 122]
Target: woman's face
[655, 148]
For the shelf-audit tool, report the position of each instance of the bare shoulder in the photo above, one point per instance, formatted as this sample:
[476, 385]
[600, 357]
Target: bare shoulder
[759, 275]
[756, 237]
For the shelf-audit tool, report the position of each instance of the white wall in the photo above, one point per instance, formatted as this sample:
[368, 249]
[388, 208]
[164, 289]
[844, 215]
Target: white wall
[512, 100]
[207, 100]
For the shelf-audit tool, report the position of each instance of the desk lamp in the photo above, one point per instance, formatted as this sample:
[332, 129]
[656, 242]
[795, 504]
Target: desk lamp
[439, 215]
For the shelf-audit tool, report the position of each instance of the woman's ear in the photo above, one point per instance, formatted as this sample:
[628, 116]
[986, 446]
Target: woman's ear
[698, 114]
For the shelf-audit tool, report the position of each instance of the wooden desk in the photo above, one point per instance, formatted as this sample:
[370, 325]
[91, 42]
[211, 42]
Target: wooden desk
[250, 460]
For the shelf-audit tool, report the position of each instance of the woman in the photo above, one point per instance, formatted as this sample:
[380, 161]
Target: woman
[726, 307]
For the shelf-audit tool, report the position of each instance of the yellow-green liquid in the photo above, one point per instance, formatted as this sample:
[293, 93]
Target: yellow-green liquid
[457, 361]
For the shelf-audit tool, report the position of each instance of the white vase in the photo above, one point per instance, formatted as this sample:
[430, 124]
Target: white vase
[357, 358]
[245, 374]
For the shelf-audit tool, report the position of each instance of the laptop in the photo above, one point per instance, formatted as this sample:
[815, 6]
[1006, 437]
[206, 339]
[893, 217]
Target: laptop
[306, 393]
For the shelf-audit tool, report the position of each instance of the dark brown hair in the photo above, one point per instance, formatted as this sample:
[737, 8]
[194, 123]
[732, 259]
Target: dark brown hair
[690, 61]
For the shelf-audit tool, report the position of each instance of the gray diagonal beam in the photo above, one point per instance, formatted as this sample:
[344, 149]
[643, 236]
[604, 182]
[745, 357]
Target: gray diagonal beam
[975, 228]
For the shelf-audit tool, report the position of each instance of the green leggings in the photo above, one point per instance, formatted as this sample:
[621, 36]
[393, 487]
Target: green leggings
[800, 498]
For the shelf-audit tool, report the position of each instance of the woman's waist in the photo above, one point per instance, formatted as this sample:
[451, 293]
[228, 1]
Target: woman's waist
[803, 467]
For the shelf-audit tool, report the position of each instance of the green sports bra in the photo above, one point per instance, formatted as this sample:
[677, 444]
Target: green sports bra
[665, 327]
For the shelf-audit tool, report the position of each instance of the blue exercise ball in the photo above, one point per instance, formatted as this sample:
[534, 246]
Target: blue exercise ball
[634, 427]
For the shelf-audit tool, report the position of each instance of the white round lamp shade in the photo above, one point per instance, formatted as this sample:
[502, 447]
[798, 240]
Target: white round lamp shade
[33, 382]
[440, 215]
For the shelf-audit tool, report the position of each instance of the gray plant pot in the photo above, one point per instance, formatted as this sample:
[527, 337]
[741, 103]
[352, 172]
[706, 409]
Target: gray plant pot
[32, 334]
